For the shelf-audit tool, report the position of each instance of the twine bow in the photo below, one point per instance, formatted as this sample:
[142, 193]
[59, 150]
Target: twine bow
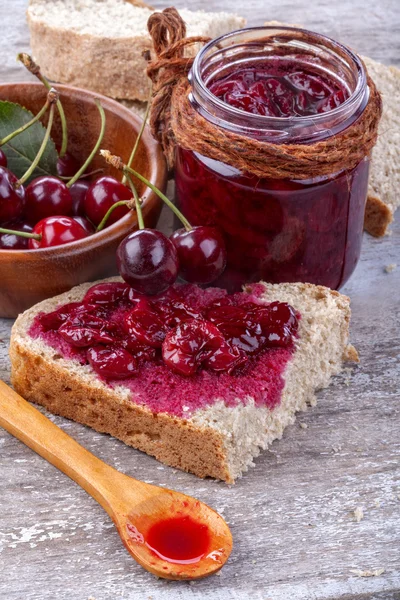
[174, 121]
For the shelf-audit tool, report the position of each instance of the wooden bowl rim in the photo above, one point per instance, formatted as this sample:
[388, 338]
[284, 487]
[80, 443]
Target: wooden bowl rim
[158, 177]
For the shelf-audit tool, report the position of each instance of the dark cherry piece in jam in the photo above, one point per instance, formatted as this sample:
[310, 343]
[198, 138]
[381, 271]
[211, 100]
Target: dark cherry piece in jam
[198, 342]
[180, 540]
[279, 89]
[112, 362]
[83, 337]
[105, 294]
[145, 325]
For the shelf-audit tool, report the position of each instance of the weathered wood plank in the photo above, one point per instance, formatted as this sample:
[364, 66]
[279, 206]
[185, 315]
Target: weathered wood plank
[291, 516]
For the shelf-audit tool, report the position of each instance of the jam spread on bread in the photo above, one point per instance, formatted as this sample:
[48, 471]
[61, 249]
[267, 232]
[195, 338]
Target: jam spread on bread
[179, 350]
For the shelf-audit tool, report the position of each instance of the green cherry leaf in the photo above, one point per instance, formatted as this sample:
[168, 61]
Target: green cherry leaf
[23, 148]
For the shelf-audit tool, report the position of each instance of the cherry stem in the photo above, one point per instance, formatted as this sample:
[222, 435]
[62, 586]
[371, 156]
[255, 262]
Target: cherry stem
[96, 147]
[116, 162]
[33, 68]
[138, 204]
[10, 136]
[25, 234]
[53, 95]
[163, 197]
[104, 220]
[139, 137]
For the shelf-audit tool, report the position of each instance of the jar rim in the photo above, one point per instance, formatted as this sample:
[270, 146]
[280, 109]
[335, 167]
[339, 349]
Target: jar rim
[201, 95]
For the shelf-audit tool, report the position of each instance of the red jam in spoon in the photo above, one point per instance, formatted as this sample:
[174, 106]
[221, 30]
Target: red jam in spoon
[179, 540]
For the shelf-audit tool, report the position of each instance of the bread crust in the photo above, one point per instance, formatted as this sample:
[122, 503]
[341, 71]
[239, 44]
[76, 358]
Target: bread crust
[77, 59]
[194, 444]
[378, 216]
[172, 440]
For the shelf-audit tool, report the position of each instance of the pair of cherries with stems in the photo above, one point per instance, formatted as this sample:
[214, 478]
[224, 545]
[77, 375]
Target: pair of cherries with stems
[149, 259]
[150, 262]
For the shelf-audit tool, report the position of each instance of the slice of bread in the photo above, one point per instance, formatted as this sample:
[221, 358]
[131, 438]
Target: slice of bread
[384, 181]
[99, 44]
[219, 440]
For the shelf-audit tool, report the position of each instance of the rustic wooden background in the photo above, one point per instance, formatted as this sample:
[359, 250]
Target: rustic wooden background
[292, 516]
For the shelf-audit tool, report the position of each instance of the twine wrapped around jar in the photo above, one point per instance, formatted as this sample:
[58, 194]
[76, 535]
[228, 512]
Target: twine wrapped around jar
[174, 121]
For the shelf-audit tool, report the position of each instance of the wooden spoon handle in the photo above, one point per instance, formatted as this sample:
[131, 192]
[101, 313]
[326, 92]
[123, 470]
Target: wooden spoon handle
[35, 430]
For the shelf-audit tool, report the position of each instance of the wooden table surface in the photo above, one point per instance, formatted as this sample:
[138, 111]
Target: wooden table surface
[292, 516]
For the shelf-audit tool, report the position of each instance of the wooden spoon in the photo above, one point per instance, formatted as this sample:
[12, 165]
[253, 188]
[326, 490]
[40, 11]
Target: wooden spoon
[145, 515]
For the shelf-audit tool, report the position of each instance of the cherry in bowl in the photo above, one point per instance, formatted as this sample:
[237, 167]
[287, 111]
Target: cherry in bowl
[56, 231]
[45, 197]
[101, 195]
[12, 198]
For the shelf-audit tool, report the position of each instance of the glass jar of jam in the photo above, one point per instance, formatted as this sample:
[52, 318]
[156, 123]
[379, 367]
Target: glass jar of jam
[264, 84]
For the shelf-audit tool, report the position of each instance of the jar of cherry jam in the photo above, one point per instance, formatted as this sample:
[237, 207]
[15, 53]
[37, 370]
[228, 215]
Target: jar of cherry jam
[266, 85]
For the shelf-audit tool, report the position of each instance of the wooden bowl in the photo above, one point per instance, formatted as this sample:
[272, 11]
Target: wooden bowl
[27, 277]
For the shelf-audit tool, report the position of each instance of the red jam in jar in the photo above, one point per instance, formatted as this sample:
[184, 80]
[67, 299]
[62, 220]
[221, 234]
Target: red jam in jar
[258, 84]
[280, 89]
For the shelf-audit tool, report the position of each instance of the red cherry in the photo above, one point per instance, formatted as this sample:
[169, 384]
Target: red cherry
[86, 224]
[3, 159]
[201, 253]
[55, 231]
[147, 261]
[9, 241]
[78, 194]
[47, 196]
[12, 199]
[112, 363]
[67, 165]
[101, 195]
